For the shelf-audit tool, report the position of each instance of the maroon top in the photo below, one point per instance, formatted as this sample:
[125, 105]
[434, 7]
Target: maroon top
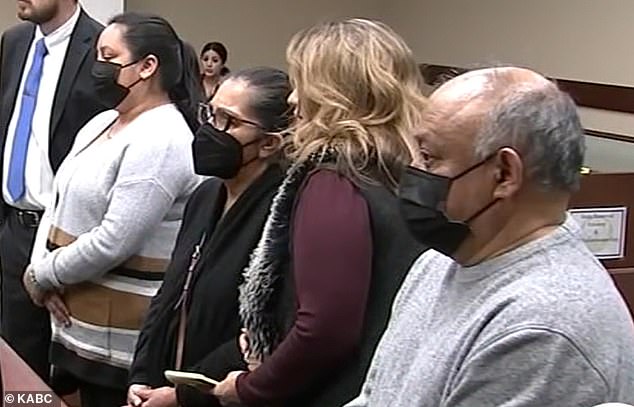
[332, 265]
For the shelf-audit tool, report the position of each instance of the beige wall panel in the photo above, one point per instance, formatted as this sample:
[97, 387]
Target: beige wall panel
[99, 9]
[256, 32]
[7, 14]
[587, 40]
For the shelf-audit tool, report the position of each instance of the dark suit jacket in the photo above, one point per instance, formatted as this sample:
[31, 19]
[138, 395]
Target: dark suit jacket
[75, 99]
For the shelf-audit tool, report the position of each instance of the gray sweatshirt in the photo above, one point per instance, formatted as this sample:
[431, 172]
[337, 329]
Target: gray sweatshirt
[542, 325]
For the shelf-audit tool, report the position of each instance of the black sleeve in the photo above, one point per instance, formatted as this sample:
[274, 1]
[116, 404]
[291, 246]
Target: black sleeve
[139, 370]
[216, 365]
[1, 62]
[139, 373]
[1, 97]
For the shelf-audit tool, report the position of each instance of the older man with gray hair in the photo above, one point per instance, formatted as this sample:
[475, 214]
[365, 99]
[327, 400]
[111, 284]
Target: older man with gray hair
[511, 308]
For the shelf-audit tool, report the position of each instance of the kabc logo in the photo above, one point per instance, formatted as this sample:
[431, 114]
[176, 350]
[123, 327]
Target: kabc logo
[29, 398]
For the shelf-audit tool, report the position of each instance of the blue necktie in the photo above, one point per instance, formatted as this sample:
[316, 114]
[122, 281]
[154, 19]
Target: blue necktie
[23, 129]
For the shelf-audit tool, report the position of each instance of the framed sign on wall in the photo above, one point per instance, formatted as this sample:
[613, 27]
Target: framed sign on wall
[603, 230]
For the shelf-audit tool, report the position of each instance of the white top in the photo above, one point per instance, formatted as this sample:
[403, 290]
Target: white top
[38, 173]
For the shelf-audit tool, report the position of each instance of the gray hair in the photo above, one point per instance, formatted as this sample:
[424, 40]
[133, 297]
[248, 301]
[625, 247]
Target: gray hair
[543, 126]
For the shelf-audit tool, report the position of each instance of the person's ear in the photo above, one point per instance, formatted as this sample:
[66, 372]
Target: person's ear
[270, 146]
[149, 66]
[508, 173]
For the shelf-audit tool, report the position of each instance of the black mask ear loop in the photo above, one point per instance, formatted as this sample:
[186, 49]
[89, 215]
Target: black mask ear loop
[256, 140]
[481, 211]
[473, 167]
[133, 84]
[490, 204]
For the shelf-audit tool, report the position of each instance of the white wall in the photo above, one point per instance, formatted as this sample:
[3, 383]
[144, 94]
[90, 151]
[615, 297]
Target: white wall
[256, 32]
[102, 10]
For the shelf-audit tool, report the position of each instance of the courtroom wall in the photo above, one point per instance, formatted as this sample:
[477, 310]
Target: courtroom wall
[585, 40]
[7, 14]
[256, 32]
[99, 9]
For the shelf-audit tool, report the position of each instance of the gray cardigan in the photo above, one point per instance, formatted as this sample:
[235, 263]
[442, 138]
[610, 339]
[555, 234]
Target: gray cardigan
[119, 206]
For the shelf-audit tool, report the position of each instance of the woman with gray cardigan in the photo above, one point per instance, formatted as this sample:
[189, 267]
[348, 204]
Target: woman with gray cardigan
[119, 201]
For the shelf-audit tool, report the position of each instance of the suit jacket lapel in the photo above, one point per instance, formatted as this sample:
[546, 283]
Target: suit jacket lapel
[16, 54]
[80, 43]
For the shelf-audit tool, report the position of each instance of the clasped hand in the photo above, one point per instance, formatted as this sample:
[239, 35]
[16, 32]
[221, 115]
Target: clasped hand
[50, 299]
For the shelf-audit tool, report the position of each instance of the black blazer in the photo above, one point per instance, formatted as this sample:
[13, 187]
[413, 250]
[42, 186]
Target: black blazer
[75, 99]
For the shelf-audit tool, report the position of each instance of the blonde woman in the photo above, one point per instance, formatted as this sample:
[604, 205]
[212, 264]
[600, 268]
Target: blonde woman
[334, 250]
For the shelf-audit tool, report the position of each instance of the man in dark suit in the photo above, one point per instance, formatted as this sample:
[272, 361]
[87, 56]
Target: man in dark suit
[46, 96]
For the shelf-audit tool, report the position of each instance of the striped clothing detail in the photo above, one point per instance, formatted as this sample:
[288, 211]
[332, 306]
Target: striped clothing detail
[106, 239]
[107, 314]
[100, 344]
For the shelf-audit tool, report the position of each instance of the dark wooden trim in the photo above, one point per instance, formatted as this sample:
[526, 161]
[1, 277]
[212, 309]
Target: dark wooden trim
[621, 271]
[610, 190]
[435, 75]
[609, 136]
[603, 96]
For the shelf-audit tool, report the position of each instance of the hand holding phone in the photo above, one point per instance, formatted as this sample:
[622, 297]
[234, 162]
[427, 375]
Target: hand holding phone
[197, 380]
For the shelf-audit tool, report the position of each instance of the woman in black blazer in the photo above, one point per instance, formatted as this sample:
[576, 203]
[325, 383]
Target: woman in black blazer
[198, 302]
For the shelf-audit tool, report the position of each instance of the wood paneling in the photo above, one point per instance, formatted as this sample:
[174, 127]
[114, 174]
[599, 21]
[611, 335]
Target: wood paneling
[606, 190]
[588, 94]
[609, 136]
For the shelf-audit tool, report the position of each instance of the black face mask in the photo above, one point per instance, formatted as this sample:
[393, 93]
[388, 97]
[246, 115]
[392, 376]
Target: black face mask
[422, 198]
[217, 153]
[105, 76]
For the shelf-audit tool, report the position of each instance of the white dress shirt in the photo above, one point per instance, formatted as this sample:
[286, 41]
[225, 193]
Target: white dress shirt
[38, 174]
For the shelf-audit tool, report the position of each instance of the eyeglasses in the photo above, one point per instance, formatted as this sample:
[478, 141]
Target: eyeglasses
[220, 118]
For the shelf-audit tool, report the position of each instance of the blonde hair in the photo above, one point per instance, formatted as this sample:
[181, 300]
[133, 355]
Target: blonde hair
[360, 96]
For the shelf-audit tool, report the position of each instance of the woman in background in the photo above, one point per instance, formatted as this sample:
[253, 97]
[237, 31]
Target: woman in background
[120, 194]
[195, 329]
[213, 60]
[334, 251]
